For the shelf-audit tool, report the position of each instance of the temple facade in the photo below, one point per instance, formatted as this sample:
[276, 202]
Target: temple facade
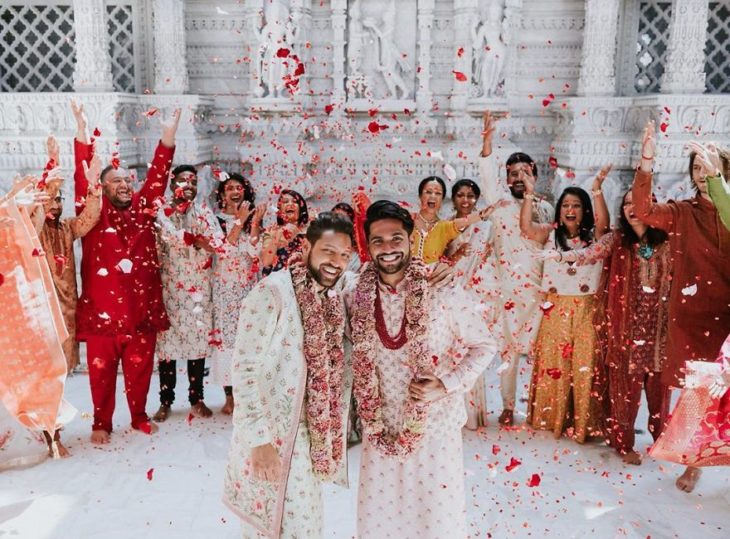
[328, 96]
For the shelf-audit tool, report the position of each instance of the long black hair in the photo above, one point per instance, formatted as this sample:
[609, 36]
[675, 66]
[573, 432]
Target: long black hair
[652, 236]
[465, 182]
[587, 223]
[303, 212]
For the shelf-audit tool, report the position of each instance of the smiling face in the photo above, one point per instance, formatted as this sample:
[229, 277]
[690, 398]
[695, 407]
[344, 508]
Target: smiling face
[389, 246]
[184, 186]
[465, 201]
[571, 212]
[54, 207]
[232, 194]
[698, 177]
[516, 174]
[328, 257]
[288, 209]
[116, 185]
[432, 196]
[628, 209]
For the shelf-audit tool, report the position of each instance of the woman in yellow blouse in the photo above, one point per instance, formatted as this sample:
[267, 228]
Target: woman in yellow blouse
[431, 235]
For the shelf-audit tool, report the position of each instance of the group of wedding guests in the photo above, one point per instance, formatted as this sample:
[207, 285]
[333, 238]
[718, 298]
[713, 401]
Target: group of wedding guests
[398, 312]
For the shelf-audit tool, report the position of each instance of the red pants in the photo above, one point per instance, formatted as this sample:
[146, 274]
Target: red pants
[103, 355]
[625, 392]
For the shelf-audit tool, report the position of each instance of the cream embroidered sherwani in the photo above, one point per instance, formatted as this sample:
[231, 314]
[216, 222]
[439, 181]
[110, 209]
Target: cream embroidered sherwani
[423, 496]
[269, 383]
[186, 282]
[518, 272]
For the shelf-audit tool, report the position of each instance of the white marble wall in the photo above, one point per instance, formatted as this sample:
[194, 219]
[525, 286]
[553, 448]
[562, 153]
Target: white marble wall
[554, 75]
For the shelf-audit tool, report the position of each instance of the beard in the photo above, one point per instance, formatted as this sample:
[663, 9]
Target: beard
[517, 192]
[321, 278]
[392, 268]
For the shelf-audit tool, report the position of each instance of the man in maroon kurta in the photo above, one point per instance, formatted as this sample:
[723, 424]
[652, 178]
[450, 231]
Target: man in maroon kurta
[699, 300]
[120, 309]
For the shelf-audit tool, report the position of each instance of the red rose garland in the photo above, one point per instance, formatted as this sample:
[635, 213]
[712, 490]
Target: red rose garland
[324, 324]
[366, 382]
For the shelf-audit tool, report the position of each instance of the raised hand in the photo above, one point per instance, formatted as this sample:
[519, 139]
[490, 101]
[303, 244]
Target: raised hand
[92, 171]
[244, 210]
[648, 147]
[169, 128]
[82, 122]
[488, 128]
[601, 176]
[52, 149]
[259, 213]
[707, 157]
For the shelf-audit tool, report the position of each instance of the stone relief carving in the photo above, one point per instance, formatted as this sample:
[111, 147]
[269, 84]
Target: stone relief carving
[489, 50]
[278, 32]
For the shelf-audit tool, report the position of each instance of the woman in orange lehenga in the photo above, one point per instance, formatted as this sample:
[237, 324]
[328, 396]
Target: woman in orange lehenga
[34, 365]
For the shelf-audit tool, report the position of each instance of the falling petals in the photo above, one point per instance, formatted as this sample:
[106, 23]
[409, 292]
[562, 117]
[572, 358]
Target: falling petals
[534, 481]
[513, 463]
[689, 290]
[458, 75]
[149, 474]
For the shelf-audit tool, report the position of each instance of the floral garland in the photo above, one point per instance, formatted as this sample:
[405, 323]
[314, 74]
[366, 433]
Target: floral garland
[366, 382]
[324, 324]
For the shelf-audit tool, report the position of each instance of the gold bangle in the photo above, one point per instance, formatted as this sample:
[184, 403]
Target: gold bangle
[529, 196]
[597, 192]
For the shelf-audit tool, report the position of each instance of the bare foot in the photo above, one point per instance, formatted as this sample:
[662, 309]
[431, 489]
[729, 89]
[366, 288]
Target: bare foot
[148, 427]
[688, 480]
[61, 450]
[199, 409]
[100, 437]
[228, 406]
[162, 414]
[507, 418]
[632, 457]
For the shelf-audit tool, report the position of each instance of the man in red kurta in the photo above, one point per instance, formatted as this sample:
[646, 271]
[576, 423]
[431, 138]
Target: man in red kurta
[120, 309]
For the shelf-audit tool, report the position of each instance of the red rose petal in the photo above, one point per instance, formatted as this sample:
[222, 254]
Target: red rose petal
[459, 76]
[97, 133]
[534, 480]
[554, 373]
[460, 52]
[149, 474]
[553, 162]
[283, 53]
[513, 463]
[495, 449]
[328, 109]
[663, 127]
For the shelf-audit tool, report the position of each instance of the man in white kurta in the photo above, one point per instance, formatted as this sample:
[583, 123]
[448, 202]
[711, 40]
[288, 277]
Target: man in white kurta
[186, 235]
[420, 495]
[270, 481]
[519, 273]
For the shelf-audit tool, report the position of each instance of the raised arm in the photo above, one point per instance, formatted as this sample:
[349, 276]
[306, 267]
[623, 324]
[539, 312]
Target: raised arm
[83, 152]
[539, 232]
[603, 220]
[492, 189]
[708, 157]
[158, 175]
[89, 216]
[657, 215]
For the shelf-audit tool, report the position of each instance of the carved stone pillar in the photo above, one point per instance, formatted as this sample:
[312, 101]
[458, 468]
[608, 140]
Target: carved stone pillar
[339, 25]
[254, 12]
[598, 58]
[171, 72]
[93, 71]
[425, 21]
[301, 19]
[465, 13]
[685, 69]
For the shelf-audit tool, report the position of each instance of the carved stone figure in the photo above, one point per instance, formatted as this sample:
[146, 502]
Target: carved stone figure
[278, 32]
[390, 62]
[356, 34]
[489, 51]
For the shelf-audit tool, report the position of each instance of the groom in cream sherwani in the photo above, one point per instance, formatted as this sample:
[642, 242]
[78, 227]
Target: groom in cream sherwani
[292, 387]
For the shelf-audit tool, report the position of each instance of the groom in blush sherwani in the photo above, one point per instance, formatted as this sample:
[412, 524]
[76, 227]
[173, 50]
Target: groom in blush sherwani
[292, 387]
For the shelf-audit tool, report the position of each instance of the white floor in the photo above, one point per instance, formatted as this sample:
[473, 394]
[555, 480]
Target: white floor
[169, 485]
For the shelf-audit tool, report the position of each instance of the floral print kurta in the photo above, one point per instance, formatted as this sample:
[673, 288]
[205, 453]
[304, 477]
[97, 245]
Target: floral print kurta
[57, 239]
[234, 275]
[186, 282]
[423, 496]
[269, 380]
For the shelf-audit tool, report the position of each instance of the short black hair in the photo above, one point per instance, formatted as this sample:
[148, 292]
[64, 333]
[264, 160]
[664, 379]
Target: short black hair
[329, 220]
[301, 203]
[521, 157]
[345, 207]
[385, 209]
[424, 181]
[183, 168]
[465, 182]
[107, 168]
